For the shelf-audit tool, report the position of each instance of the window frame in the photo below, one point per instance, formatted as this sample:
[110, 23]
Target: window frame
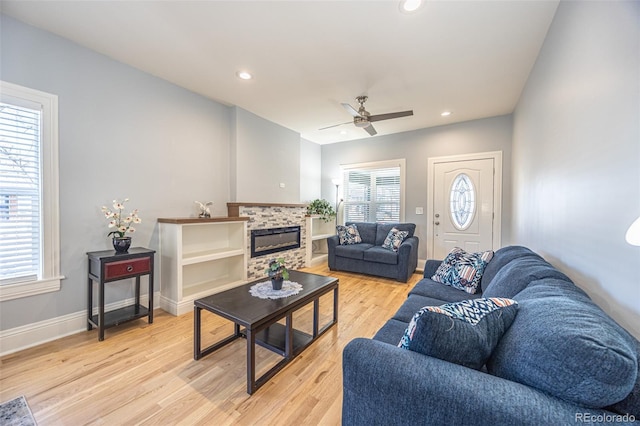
[374, 165]
[49, 278]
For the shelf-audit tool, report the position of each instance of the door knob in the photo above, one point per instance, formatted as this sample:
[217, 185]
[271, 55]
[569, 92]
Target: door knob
[437, 223]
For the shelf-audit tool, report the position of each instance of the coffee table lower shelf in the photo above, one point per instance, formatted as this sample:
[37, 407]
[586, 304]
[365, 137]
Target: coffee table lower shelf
[274, 339]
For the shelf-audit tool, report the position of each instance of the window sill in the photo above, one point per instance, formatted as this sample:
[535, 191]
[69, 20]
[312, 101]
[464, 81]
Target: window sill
[30, 288]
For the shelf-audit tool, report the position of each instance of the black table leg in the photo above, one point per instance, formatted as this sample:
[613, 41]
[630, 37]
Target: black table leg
[251, 361]
[101, 311]
[316, 309]
[90, 305]
[288, 336]
[137, 306]
[151, 292]
[197, 314]
[335, 305]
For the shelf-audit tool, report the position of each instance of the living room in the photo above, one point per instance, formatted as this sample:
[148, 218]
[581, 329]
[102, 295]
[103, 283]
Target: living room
[571, 159]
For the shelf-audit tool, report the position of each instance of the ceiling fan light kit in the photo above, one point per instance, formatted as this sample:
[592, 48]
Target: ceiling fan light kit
[363, 119]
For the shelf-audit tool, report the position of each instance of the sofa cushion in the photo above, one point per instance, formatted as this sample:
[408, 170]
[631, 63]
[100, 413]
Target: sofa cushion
[562, 344]
[463, 270]
[500, 258]
[391, 332]
[367, 231]
[429, 288]
[412, 305]
[464, 333]
[383, 230]
[394, 238]
[352, 251]
[348, 234]
[631, 404]
[519, 273]
[381, 255]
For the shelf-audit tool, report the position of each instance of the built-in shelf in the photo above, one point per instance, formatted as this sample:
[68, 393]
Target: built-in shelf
[317, 233]
[204, 256]
[200, 257]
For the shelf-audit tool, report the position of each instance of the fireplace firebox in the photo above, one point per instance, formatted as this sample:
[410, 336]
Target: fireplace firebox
[273, 240]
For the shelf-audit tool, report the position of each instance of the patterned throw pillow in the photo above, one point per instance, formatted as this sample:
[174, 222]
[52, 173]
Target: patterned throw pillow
[348, 234]
[464, 333]
[463, 270]
[394, 238]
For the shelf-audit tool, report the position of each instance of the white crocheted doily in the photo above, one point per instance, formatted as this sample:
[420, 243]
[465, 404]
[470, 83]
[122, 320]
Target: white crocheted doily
[264, 290]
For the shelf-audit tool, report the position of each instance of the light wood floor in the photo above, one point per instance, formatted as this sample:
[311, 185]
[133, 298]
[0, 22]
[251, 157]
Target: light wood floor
[146, 374]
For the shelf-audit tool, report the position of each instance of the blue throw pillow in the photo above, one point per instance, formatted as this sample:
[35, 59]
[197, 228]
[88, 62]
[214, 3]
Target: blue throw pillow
[395, 237]
[464, 333]
[348, 234]
[463, 270]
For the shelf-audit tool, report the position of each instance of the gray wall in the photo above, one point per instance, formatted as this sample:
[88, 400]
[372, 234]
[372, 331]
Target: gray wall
[122, 133]
[266, 156]
[490, 134]
[576, 153]
[310, 170]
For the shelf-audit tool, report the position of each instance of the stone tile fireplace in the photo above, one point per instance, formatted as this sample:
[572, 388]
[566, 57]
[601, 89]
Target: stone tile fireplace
[269, 216]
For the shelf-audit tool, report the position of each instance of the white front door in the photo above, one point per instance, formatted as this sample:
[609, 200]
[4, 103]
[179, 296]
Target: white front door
[465, 196]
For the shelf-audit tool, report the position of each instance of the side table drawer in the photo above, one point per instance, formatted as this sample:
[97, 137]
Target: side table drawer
[125, 268]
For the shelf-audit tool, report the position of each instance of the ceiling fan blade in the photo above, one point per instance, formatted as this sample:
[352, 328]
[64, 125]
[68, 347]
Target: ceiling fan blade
[336, 125]
[371, 130]
[351, 110]
[379, 117]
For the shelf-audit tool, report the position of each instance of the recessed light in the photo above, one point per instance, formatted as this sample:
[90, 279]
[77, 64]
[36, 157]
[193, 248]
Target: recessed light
[244, 75]
[446, 113]
[410, 6]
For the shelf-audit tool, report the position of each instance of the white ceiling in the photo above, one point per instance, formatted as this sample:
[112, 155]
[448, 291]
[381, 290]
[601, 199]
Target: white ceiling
[470, 57]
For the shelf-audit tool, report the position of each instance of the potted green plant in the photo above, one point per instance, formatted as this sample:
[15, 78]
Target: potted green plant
[278, 272]
[321, 208]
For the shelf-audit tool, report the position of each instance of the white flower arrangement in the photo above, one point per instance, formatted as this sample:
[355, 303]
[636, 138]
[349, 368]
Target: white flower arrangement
[122, 224]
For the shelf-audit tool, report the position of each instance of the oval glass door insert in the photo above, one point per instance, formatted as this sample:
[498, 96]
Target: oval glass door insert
[462, 200]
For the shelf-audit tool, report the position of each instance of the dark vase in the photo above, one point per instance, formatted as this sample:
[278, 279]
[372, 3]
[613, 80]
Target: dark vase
[276, 283]
[121, 244]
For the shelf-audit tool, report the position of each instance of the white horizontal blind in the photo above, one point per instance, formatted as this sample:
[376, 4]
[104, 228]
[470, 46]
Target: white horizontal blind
[372, 194]
[20, 193]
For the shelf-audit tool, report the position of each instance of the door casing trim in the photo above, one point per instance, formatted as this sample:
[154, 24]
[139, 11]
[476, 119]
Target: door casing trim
[497, 193]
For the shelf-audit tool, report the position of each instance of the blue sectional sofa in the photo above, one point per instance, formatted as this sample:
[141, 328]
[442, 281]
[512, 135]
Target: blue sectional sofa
[561, 361]
[369, 257]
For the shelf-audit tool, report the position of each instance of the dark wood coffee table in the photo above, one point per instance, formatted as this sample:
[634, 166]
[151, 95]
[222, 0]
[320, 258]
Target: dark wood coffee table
[260, 317]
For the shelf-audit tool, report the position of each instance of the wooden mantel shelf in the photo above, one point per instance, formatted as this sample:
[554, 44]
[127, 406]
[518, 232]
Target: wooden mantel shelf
[233, 209]
[183, 220]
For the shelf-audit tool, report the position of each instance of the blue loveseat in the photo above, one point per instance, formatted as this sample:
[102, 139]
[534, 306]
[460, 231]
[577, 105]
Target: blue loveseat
[369, 257]
[562, 360]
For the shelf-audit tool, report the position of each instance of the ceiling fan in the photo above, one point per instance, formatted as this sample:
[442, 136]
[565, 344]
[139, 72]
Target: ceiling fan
[362, 118]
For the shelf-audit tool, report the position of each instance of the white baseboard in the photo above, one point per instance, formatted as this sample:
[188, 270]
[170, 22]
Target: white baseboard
[30, 335]
[421, 263]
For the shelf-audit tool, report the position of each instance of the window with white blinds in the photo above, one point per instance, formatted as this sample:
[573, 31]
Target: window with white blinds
[374, 192]
[29, 207]
[19, 193]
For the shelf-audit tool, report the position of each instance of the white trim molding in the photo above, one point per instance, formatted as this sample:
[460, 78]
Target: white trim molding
[30, 335]
[50, 276]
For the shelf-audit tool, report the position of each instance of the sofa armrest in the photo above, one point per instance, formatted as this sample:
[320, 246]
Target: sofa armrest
[386, 385]
[407, 258]
[430, 267]
[332, 242]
